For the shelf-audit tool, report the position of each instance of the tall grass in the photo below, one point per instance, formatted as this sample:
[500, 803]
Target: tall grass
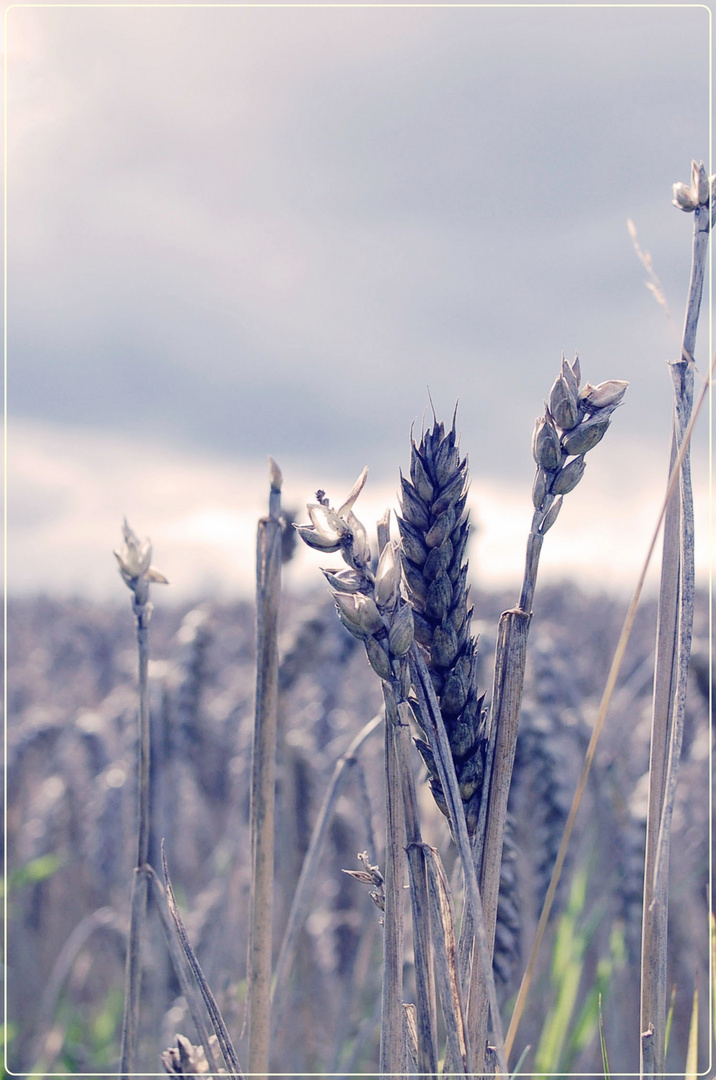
[421, 982]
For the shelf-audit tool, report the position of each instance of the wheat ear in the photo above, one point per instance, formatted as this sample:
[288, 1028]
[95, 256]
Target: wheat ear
[434, 529]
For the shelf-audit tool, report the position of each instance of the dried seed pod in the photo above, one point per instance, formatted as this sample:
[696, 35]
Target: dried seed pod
[700, 182]
[571, 374]
[360, 610]
[551, 515]
[604, 395]
[347, 581]
[185, 1059]
[539, 487]
[568, 477]
[387, 576]
[683, 198]
[402, 630]
[545, 444]
[586, 436]
[563, 404]
[378, 657]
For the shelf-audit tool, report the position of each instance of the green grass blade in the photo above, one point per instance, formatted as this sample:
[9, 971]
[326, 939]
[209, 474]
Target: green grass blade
[603, 1043]
[692, 1050]
[669, 1019]
[520, 1062]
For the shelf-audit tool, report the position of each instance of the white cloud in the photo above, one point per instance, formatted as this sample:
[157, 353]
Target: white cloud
[69, 490]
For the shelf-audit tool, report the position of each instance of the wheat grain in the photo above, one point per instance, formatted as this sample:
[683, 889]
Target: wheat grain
[434, 528]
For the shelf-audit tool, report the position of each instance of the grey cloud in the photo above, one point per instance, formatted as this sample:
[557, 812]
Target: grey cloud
[270, 229]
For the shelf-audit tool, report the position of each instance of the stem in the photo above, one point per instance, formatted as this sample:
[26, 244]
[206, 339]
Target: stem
[178, 957]
[508, 682]
[212, 1008]
[392, 1041]
[510, 659]
[395, 715]
[673, 649]
[432, 723]
[263, 779]
[138, 904]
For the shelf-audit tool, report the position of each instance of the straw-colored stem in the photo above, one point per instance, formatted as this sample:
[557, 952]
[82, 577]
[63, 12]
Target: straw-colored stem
[307, 877]
[510, 659]
[432, 724]
[398, 716]
[673, 649]
[508, 682]
[138, 903]
[457, 1055]
[392, 1039]
[190, 992]
[263, 780]
[212, 1008]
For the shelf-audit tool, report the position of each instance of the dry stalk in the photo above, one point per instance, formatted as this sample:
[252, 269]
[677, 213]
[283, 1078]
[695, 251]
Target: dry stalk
[217, 1020]
[134, 560]
[398, 723]
[443, 923]
[673, 649]
[179, 962]
[263, 778]
[575, 421]
[432, 722]
[604, 704]
[392, 1038]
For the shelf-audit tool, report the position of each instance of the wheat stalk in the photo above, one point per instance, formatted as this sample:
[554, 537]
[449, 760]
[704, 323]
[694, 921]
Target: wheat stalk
[574, 422]
[263, 773]
[673, 647]
[134, 560]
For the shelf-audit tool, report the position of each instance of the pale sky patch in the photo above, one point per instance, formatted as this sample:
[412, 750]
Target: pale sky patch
[69, 490]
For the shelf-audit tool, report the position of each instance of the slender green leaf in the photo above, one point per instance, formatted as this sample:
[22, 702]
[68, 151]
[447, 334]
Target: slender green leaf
[32, 873]
[669, 1019]
[603, 1043]
[692, 1051]
[520, 1062]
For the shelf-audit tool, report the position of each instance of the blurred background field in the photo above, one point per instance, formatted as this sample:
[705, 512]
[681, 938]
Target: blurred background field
[70, 828]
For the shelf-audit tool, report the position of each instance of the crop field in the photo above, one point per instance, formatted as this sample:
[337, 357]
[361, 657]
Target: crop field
[71, 810]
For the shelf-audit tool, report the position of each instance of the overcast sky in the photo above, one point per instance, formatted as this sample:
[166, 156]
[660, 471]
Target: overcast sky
[235, 232]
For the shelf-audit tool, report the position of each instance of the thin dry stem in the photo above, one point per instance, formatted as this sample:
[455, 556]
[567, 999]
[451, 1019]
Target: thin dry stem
[188, 989]
[598, 726]
[432, 723]
[397, 715]
[672, 661]
[392, 1041]
[212, 1008]
[138, 903]
[263, 779]
[653, 284]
